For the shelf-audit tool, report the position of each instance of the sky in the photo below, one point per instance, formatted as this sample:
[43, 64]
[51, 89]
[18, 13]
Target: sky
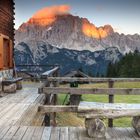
[122, 15]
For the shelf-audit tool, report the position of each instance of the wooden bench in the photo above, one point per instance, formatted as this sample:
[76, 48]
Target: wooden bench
[94, 113]
[8, 82]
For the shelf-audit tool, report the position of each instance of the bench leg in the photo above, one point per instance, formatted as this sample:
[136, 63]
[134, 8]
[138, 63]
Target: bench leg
[95, 128]
[136, 124]
[19, 85]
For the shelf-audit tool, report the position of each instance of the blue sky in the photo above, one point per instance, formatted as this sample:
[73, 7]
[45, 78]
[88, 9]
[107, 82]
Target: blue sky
[123, 15]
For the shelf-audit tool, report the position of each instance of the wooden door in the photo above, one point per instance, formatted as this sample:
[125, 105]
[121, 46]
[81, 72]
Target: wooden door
[6, 53]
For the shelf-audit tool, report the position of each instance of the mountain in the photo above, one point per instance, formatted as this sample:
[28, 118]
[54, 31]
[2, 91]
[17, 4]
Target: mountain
[56, 26]
[69, 34]
[90, 62]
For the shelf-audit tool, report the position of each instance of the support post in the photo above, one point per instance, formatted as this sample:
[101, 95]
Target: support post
[95, 128]
[54, 101]
[111, 100]
[136, 124]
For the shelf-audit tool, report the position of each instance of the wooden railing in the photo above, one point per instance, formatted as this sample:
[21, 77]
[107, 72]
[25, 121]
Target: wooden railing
[95, 80]
[110, 91]
[51, 99]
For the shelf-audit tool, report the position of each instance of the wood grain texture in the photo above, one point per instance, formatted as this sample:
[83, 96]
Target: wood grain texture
[56, 108]
[103, 91]
[107, 110]
[75, 79]
[136, 124]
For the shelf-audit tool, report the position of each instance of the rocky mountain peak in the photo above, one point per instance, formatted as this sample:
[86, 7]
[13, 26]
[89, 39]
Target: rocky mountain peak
[56, 26]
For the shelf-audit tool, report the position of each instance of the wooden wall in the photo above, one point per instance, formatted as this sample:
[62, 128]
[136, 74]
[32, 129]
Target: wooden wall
[7, 18]
[6, 34]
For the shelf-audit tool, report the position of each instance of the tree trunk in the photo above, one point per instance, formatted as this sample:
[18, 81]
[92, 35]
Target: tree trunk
[136, 124]
[95, 128]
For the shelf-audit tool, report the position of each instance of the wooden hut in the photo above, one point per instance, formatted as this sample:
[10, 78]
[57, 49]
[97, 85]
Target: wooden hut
[75, 73]
[6, 37]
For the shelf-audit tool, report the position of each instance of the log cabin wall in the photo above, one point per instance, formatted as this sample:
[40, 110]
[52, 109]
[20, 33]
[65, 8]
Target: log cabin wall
[6, 36]
[7, 18]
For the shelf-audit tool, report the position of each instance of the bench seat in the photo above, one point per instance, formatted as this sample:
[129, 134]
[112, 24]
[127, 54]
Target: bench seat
[12, 81]
[94, 113]
[107, 110]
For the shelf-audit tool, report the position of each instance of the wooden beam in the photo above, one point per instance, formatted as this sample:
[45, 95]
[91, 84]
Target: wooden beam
[50, 72]
[111, 114]
[75, 79]
[106, 91]
[56, 108]
[107, 110]
[111, 100]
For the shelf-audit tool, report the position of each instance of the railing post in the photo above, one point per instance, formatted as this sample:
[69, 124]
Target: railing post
[111, 100]
[47, 102]
[54, 102]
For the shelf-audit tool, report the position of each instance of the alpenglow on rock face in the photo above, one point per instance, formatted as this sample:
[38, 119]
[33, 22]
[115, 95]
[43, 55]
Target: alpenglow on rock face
[57, 27]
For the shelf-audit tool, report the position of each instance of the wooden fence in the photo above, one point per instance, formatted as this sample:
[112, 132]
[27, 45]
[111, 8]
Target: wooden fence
[110, 91]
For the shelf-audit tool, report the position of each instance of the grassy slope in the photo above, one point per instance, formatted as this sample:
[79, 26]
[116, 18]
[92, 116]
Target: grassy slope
[72, 120]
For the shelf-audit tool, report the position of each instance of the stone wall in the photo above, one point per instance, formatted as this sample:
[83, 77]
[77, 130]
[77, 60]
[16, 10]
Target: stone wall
[7, 74]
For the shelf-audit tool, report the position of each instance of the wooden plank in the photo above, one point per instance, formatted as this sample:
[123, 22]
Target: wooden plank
[82, 135]
[133, 133]
[109, 134]
[106, 91]
[111, 100]
[89, 106]
[107, 110]
[50, 72]
[55, 133]
[73, 133]
[4, 130]
[11, 133]
[37, 133]
[64, 133]
[6, 109]
[18, 114]
[9, 114]
[20, 133]
[29, 133]
[122, 133]
[30, 114]
[10, 81]
[75, 79]
[56, 108]
[46, 133]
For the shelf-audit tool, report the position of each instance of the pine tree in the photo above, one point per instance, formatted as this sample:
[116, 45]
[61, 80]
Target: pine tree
[128, 66]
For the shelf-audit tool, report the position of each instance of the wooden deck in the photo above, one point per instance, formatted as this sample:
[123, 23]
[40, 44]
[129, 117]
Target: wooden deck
[61, 133]
[19, 120]
[21, 108]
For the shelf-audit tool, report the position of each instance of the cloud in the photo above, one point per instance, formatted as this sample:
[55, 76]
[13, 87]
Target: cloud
[52, 11]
